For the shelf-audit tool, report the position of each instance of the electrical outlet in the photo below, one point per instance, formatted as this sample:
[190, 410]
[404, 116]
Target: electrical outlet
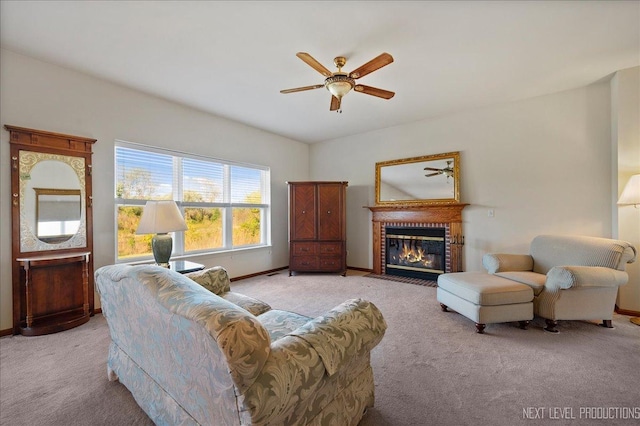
[491, 213]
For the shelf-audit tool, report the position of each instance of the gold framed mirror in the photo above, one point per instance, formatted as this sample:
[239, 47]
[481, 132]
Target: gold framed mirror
[425, 180]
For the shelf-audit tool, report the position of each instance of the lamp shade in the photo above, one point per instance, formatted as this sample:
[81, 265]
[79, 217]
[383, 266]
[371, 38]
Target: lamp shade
[631, 192]
[161, 217]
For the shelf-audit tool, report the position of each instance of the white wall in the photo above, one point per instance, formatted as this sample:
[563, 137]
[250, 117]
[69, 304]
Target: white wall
[42, 96]
[543, 165]
[625, 138]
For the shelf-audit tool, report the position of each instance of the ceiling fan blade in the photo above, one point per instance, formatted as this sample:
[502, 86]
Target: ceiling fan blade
[432, 174]
[374, 91]
[314, 64]
[374, 64]
[301, 89]
[335, 104]
[431, 168]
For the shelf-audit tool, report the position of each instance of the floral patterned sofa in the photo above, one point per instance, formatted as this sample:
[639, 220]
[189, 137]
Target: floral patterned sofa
[193, 352]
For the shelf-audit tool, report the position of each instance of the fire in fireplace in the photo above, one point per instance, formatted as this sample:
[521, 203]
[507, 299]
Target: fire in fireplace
[415, 252]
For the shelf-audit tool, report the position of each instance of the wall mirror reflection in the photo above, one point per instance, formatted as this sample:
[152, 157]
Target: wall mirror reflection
[52, 211]
[429, 179]
[57, 214]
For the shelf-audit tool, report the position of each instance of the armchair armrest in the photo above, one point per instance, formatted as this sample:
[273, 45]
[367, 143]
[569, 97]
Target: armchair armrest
[345, 331]
[501, 262]
[565, 277]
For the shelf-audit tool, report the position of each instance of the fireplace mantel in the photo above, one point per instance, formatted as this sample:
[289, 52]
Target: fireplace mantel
[448, 214]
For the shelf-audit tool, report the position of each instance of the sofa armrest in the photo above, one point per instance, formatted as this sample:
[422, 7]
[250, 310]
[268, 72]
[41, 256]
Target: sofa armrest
[565, 277]
[301, 362]
[215, 279]
[501, 262]
[345, 331]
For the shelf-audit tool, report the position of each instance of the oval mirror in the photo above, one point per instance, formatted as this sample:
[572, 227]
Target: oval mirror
[52, 212]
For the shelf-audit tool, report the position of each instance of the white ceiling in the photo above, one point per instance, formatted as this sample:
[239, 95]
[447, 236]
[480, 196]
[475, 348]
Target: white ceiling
[232, 58]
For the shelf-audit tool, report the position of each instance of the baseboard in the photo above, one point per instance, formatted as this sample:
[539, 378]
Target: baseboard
[244, 277]
[355, 268]
[627, 312]
[7, 332]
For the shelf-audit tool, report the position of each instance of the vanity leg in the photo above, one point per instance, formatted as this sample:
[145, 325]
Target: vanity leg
[27, 289]
[85, 285]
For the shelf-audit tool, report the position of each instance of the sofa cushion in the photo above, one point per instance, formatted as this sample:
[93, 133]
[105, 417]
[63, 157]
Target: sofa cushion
[255, 306]
[532, 279]
[280, 323]
[215, 279]
[484, 289]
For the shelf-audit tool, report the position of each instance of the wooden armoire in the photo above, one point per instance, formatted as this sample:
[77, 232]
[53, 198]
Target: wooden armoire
[317, 227]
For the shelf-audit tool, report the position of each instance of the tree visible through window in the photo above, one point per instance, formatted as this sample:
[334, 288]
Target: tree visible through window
[225, 205]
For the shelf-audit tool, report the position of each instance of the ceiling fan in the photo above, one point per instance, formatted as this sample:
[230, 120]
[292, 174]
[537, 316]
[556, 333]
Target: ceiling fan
[340, 83]
[447, 171]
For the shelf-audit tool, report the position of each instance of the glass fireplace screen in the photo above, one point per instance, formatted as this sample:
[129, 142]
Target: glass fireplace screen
[415, 252]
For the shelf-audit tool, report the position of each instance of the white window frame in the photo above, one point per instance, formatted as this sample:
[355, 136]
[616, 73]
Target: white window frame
[226, 205]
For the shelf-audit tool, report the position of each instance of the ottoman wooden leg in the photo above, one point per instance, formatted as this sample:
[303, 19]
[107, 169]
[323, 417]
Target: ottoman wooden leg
[523, 324]
[480, 328]
[443, 307]
[606, 323]
[551, 326]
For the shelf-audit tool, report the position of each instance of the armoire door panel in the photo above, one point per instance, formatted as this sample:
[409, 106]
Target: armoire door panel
[303, 220]
[329, 212]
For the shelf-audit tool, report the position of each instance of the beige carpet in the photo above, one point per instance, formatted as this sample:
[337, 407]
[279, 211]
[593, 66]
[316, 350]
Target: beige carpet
[431, 368]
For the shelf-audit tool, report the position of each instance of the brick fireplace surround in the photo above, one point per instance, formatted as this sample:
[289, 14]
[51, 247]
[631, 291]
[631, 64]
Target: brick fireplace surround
[447, 216]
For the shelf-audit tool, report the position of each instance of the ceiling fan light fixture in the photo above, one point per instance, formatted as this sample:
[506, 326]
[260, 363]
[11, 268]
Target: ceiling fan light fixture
[339, 85]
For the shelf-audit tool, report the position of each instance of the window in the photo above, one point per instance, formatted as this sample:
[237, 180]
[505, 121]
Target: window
[225, 204]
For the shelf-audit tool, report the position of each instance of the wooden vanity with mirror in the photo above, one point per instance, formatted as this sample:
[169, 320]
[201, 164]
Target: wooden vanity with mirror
[52, 231]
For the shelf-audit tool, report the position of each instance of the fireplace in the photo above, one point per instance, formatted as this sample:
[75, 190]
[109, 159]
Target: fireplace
[444, 219]
[415, 252]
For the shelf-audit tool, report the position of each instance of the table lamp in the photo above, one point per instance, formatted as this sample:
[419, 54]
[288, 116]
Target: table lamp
[631, 192]
[160, 218]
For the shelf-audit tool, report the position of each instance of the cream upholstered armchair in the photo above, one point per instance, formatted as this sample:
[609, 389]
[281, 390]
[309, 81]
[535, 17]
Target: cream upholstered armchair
[572, 277]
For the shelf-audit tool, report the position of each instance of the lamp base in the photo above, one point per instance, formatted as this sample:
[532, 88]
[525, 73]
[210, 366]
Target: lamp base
[162, 244]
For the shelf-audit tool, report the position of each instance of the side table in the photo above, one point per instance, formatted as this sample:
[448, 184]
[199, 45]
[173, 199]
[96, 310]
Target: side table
[184, 266]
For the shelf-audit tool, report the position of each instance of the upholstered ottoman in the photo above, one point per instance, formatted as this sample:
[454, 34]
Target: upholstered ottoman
[485, 298]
